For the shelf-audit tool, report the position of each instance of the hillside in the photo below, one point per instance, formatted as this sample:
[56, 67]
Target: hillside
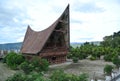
[11, 46]
[17, 46]
[78, 44]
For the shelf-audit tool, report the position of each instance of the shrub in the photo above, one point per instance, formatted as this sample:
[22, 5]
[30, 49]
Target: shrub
[26, 67]
[116, 61]
[40, 64]
[13, 60]
[30, 77]
[36, 64]
[16, 77]
[33, 76]
[4, 59]
[108, 69]
[69, 55]
[75, 59]
[83, 77]
[108, 57]
[72, 77]
[92, 58]
[59, 75]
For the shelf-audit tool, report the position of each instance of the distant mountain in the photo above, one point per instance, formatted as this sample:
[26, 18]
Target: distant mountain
[77, 44]
[17, 46]
[11, 46]
[96, 42]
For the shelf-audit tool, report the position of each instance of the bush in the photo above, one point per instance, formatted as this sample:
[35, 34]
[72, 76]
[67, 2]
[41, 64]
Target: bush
[108, 69]
[40, 64]
[30, 77]
[4, 59]
[92, 58]
[33, 76]
[59, 75]
[72, 77]
[26, 67]
[36, 64]
[16, 77]
[108, 57]
[116, 61]
[75, 59]
[13, 60]
[83, 77]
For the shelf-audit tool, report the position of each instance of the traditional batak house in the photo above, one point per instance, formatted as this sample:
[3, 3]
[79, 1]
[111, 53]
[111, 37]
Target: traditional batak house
[52, 43]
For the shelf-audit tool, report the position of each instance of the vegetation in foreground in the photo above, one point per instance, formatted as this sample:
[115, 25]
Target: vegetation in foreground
[109, 48]
[34, 70]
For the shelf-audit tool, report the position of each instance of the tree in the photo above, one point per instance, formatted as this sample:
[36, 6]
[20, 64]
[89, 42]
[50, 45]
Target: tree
[112, 40]
[116, 61]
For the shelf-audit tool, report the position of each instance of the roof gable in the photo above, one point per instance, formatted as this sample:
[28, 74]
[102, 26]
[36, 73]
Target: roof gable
[35, 41]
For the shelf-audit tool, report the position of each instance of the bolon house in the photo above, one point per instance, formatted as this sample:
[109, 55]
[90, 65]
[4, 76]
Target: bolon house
[52, 43]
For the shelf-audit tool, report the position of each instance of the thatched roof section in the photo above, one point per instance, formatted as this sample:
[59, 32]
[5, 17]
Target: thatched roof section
[35, 41]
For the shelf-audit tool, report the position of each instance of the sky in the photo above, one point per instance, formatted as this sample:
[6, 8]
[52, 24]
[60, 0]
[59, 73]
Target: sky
[90, 20]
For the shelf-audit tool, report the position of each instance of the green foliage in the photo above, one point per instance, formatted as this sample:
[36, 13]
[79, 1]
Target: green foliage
[36, 64]
[116, 61]
[72, 77]
[83, 77]
[40, 64]
[112, 40]
[75, 59]
[88, 49]
[4, 59]
[97, 51]
[59, 75]
[92, 58]
[13, 60]
[30, 77]
[108, 69]
[109, 47]
[16, 77]
[108, 57]
[26, 67]
[35, 77]
[81, 52]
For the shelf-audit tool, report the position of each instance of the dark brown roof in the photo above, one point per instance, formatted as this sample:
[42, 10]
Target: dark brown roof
[34, 41]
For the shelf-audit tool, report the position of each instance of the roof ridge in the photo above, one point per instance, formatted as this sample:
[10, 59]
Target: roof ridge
[35, 41]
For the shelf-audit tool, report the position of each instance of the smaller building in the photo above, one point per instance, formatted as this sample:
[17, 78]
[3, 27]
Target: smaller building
[51, 43]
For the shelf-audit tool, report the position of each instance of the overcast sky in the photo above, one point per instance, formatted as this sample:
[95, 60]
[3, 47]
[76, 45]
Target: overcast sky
[90, 20]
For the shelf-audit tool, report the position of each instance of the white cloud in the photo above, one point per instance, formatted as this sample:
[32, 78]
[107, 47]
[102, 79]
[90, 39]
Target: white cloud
[91, 20]
[97, 25]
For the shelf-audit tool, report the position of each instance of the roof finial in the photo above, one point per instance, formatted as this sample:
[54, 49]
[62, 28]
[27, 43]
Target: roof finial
[28, 26]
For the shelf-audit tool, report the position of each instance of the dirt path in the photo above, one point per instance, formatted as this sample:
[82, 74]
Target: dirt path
[93, 68]
[5, 72]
